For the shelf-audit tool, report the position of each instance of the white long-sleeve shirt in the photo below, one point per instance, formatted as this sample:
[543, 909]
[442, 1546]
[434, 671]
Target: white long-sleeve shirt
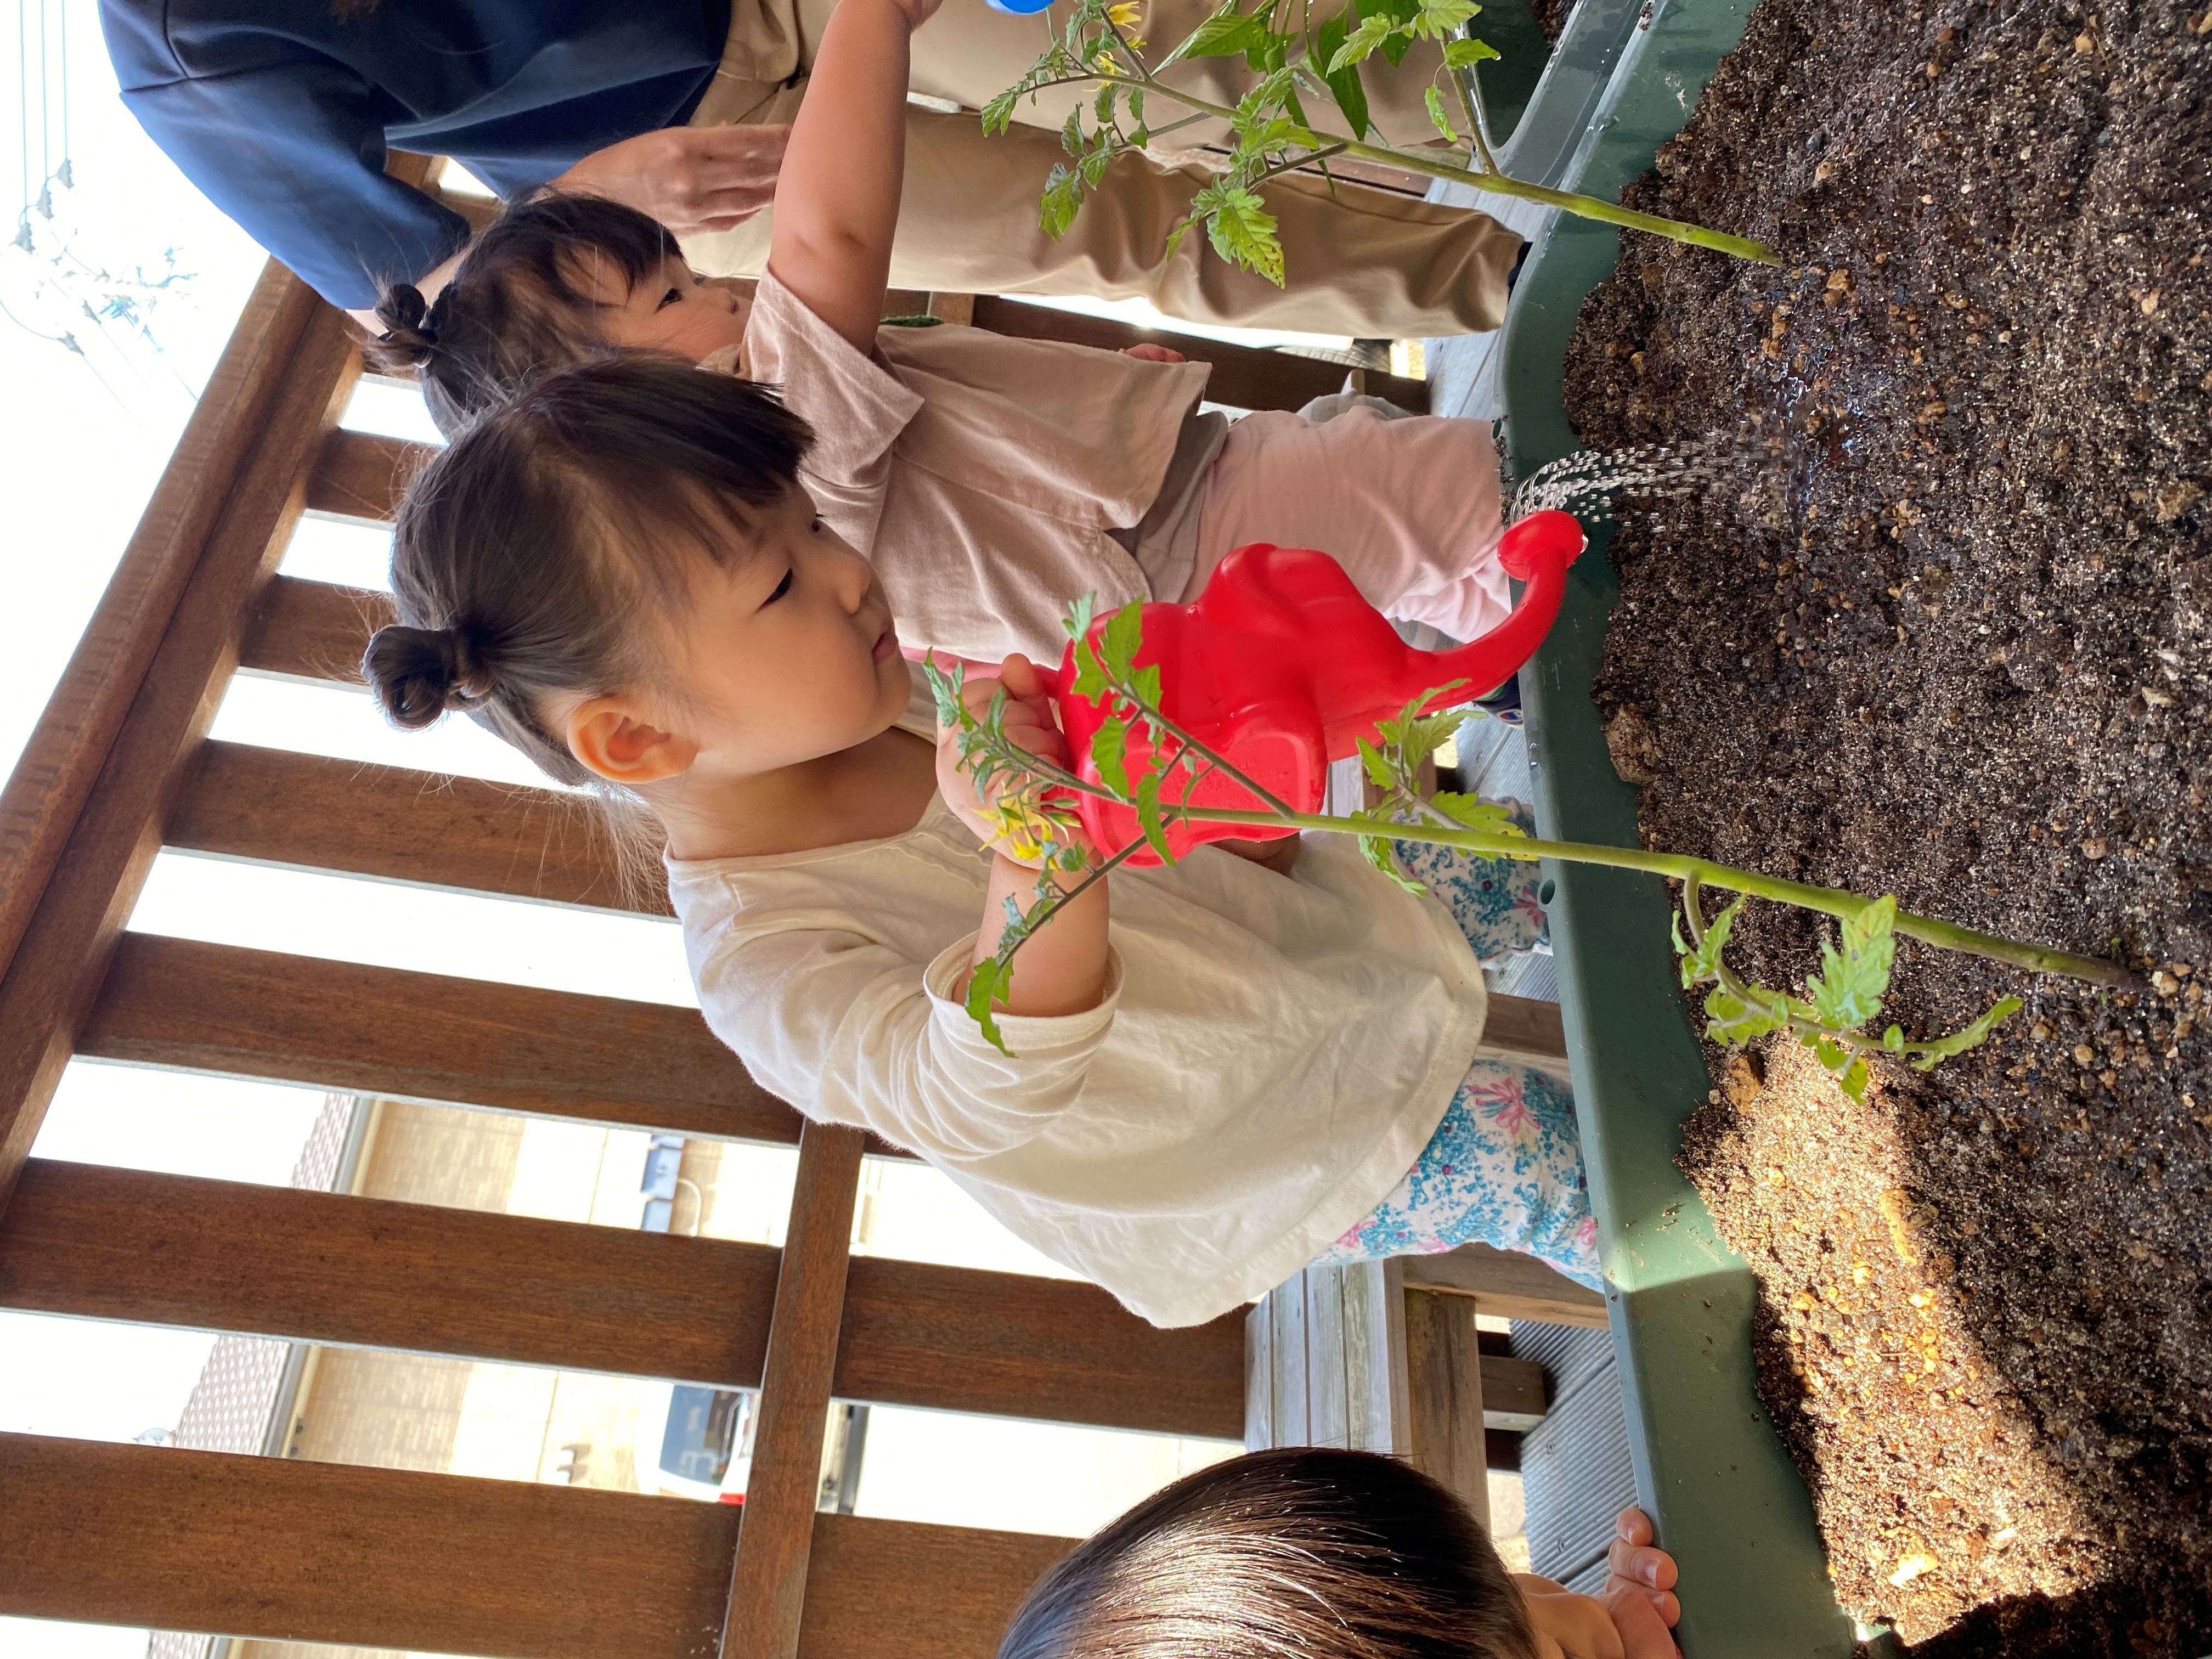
[1270, 1058]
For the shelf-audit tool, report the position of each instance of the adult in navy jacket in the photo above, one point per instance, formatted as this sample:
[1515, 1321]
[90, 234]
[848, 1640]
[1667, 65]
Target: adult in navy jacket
[282, 111]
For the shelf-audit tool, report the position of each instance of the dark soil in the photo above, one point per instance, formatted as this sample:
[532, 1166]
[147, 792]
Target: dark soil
[1949, 635]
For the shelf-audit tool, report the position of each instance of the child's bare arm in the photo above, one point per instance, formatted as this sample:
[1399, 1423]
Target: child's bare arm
[1062, 967]
[837, 199]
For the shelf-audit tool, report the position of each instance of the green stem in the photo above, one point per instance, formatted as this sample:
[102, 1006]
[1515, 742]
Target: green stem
[1830, 901]
[1495, 183]
[1478, 123]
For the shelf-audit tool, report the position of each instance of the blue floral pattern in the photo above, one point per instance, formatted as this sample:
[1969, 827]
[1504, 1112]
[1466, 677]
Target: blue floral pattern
[1504, 1167]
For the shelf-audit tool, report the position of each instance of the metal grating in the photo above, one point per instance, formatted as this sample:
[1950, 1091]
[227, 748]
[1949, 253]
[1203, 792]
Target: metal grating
[1575, 1468]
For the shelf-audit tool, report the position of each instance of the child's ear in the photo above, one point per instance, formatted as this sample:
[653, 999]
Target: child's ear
[610, 737]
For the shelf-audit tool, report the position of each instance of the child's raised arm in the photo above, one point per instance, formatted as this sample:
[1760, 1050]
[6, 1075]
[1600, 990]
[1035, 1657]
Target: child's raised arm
[837, 200]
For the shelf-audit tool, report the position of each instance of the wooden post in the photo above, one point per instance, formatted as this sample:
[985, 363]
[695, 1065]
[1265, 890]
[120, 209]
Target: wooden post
[1443, 1368]
[768, 1589]
[143, 686]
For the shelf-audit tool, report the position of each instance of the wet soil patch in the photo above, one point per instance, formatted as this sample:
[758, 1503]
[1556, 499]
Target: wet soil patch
[1947, 633]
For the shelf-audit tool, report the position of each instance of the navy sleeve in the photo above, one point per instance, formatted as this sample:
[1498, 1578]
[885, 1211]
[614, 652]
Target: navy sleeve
[294, 154]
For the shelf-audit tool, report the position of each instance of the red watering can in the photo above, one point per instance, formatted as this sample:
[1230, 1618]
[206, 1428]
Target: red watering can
[1283, 667]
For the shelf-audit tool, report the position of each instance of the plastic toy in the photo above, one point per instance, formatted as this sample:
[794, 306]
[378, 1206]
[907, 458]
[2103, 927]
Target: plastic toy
[1282, 667]
[1019, 8]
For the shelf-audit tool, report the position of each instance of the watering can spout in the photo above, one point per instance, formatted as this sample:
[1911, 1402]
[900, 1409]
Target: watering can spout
[1536, 552]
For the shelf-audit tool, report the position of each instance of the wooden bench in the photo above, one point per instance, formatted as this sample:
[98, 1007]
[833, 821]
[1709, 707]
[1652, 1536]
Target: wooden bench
[1386, 1356]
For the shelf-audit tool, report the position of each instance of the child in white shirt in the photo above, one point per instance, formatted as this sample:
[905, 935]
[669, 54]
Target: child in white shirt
[619, 572]
[991, 480]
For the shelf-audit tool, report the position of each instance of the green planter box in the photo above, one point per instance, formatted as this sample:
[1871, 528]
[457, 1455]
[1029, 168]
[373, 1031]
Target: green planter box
[1728, 1501]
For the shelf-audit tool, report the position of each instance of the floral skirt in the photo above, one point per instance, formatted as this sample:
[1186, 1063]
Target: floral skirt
[1504, 1167]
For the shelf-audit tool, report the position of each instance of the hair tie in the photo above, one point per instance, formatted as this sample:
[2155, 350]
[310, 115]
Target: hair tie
[410, 326]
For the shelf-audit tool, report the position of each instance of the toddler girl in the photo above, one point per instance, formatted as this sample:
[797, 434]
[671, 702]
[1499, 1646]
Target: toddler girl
[990, 480]
[1308, 1553]
[620, 572]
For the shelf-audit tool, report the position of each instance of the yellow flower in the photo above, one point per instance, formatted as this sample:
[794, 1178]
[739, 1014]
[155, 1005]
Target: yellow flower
[1125, 14]
[1026, 826]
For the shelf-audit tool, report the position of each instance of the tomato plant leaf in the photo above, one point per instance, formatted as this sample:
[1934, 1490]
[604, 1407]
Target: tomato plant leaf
[1343, 81]
[1148, 816]
[1970, 1036]
[1240, 228]
[987, 983]
[1109, 749]
[1847, 991]
[1465, 54]
[1375, 29]
[1434, 99]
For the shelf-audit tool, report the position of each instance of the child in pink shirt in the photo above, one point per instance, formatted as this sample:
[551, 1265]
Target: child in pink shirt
[991, 480]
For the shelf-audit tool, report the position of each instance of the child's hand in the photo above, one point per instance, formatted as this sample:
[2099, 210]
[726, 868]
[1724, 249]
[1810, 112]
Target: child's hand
[1000, 823]
[1635, 1567]
[918, 12]
[1149, 353]
[1278, 853]
[1622, 1626]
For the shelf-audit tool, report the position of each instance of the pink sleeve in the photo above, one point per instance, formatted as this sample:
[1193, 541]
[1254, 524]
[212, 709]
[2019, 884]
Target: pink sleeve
[856, 405]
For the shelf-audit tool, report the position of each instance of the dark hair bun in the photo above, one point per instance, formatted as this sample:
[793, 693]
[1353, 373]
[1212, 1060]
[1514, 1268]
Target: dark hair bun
[418, 674]
[410, 331]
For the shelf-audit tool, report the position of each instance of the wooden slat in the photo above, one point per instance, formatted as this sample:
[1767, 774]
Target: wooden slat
[1508, 1284]
[122, 1245]
[361, 475]
[283, 1550]
[1244, 377]
[1373, 1413]
[85, 887]
[1259, 1374]
[311, 630]
[1288, 1304]
[425, 1036]
[1512, 1392]
[877, 1589]
[273, 807]
[1034, 1347]
[1328, 1405]
[768, 1587]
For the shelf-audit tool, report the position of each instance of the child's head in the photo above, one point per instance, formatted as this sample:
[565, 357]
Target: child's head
[552, 281]
[1296, 1553]
[620, 573]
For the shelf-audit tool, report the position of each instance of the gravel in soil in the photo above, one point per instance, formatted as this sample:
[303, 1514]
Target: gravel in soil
[1946, 631]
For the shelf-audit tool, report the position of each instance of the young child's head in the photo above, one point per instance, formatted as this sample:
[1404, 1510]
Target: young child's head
[1296, 1553]
[552, 281]
[619, 573]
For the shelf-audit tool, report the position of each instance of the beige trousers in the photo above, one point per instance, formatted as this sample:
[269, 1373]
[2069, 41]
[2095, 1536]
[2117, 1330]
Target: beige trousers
[1366, 263]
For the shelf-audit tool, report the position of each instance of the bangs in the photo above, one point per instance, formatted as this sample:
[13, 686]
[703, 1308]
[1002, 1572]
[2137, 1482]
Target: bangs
[668, 462]
[564, 242]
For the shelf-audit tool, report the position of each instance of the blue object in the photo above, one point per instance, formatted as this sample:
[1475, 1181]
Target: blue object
[702, 1433]
[1019, 8]
[662, 1164]
[280, 112]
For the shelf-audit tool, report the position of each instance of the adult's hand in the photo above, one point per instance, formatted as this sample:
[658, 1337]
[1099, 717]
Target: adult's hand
[690, 178]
